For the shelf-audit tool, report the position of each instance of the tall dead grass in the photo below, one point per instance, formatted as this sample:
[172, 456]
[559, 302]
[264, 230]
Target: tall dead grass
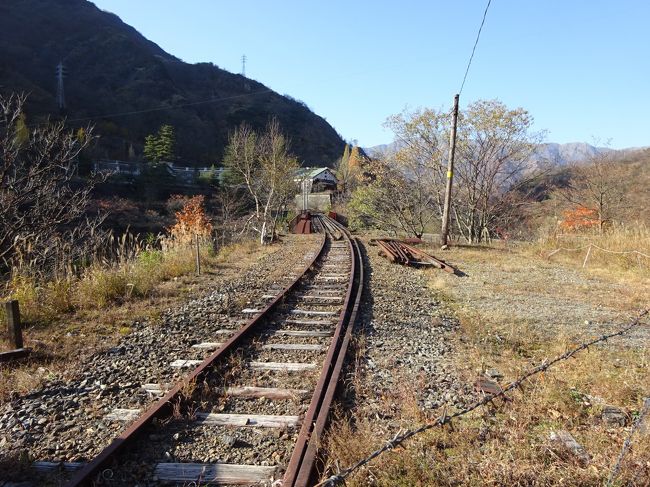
[130, 270]
[620, 248]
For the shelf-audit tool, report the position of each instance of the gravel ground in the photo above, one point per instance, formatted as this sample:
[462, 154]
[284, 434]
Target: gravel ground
[551, 297]
[406, 347]
[63, 420]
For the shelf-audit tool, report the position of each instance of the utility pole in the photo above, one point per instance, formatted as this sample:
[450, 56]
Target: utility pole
[444, 234]
[243, 65]
[60, 98]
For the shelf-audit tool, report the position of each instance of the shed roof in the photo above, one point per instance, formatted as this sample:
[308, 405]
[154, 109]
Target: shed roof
[310, 172]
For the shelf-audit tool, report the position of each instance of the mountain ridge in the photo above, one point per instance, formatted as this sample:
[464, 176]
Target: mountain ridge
[552, 153]
[113, 69]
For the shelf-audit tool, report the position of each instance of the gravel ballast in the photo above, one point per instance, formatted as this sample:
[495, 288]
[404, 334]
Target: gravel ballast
[64, 419]
[407, 343]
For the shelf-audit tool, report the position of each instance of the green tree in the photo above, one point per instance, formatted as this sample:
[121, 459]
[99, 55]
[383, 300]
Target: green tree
[160, 147]
[150, 152]
[395, 196]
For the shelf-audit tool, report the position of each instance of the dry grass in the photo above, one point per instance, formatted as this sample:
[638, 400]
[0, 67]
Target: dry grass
[67, 320]
[499, 308]
[623, 248]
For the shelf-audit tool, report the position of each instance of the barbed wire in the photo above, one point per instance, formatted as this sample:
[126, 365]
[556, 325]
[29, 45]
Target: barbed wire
[621, 252]
[400, 437]
[628, 442]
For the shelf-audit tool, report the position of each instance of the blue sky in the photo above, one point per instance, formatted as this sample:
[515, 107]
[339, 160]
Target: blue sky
[581, 68]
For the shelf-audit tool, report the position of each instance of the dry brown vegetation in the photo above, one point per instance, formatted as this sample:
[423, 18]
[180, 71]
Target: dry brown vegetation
[69, 318]
[66, 337]
[515, 310]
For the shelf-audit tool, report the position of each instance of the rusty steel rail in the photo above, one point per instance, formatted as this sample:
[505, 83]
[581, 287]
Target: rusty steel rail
[302, 468]
[164, 406]
[17, 354]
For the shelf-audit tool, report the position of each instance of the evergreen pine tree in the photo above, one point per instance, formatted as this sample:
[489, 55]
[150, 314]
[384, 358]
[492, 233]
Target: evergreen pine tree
[160, 147]
[166, 142]
[150, 152]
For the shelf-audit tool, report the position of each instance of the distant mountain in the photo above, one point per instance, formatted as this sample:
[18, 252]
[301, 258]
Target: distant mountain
[112, 69]
[563, 154]
[548, 153]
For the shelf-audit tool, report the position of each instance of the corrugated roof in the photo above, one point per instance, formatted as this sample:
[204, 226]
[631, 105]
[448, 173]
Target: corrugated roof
[310, 172]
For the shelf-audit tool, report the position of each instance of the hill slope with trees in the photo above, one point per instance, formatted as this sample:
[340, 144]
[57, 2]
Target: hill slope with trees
[112, 69]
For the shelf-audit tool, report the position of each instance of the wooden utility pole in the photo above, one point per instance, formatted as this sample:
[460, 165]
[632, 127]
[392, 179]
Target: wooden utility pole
[444, 234]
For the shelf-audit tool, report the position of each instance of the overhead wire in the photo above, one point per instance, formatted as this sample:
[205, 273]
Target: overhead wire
[478, 36]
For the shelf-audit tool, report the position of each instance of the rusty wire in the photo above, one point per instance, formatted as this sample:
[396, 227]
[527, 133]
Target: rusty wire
[400, 437]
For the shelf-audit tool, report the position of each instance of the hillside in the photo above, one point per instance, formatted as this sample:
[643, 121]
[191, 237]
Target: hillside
[112, 69]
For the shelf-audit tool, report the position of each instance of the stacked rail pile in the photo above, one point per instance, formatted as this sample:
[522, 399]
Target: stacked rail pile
[402, 253]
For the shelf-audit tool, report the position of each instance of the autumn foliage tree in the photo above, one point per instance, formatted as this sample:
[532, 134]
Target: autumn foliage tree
[580, 218]
[191, 221]
[597, 185]
[349, 171]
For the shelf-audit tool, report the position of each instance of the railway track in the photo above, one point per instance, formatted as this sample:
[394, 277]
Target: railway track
[256, 398]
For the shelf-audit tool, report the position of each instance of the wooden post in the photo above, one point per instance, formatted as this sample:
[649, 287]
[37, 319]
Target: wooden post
[13, 324]
[444, 234]
[198, 256]
[584, 263]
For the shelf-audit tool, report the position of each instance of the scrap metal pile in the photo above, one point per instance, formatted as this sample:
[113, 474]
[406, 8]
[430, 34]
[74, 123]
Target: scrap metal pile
[400, 252]
[302, 223]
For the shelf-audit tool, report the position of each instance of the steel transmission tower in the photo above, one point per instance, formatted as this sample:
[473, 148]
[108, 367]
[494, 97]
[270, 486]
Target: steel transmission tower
[243, 65]
[60, 95]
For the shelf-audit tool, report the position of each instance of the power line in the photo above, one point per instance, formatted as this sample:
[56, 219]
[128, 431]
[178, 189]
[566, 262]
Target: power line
[475, 44]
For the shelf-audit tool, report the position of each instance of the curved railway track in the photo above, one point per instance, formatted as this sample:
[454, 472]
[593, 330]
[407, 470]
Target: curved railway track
[263, 396]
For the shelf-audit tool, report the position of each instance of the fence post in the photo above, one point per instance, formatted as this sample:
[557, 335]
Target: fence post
[584, 263]
[13, 324]
[198, 256]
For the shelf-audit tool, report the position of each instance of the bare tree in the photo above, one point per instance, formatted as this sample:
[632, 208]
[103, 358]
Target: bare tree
[263, 165]
[396, 195]
[494, 145]
[232, 206]
[42, 204]
[597, 185]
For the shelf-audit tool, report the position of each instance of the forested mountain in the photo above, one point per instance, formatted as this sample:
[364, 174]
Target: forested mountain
[112, 69]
